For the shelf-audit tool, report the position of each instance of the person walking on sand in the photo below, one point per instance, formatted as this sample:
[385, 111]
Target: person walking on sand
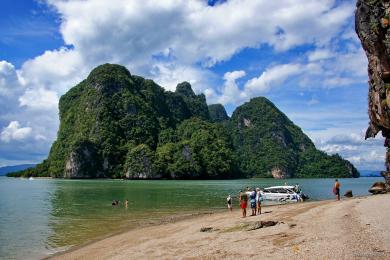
[336, 189]
[258, 201]
[229, 203]
[243, 202]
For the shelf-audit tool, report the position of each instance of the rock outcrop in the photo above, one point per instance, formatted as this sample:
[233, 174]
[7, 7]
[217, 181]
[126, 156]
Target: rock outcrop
[83, 162]
[279, 173]
[348, 194]
[378, 188]
[372, 27]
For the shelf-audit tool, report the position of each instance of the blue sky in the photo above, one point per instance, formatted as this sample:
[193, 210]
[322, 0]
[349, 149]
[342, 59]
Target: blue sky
[301, 54]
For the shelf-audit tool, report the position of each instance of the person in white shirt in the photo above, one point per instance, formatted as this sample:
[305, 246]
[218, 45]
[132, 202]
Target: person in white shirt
[229, 202]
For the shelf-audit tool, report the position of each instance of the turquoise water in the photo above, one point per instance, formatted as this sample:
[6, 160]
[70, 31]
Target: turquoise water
[39, 217]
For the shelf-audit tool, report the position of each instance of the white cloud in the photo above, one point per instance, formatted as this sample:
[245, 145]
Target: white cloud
[364, 154]
[32, 141]
[39, 99]
[370, 160]
[273, 76]
[15, 132]
[134, 30]
[9, 80]
[231, 94]
[56, 70]
[169, 75]
[320, 54]
[336, 148]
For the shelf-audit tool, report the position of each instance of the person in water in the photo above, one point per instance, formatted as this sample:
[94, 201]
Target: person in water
[252, 199]
[115, 203]
[229, 203]
[243, 202]
[258, 201]
[126, 203]
[336, 189]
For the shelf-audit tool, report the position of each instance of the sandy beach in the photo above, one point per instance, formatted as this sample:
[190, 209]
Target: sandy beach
[355, 228]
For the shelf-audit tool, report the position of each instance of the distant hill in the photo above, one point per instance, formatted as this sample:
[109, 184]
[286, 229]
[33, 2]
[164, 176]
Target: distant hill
[368, 173]
[7, 169]
[117, 125]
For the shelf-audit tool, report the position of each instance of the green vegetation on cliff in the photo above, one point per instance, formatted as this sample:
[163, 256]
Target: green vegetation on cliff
[117, 125]
[217, 113]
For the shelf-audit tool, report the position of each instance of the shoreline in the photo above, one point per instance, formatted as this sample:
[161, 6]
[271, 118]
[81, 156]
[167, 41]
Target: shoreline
[296, 234]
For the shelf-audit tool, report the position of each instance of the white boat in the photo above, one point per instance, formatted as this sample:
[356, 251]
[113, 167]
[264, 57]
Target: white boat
[282, 194]
[31, 178]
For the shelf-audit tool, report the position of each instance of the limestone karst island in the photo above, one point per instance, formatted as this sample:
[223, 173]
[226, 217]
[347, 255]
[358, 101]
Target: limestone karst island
[117, 125]
[208, 129]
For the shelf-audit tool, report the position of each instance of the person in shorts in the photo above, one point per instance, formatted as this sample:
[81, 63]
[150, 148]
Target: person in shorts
[252, 198]
[243, 202]
[336, 189]
[258, 201]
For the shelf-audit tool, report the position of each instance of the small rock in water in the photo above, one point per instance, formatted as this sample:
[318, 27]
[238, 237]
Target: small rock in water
[348, 194]
[206, 229]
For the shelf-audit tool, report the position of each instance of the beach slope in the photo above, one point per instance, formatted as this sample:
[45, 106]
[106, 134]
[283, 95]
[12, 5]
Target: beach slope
[349, 229]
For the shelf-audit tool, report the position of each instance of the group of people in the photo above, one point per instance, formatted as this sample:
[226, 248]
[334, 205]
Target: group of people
[251, 195]
[255, 199]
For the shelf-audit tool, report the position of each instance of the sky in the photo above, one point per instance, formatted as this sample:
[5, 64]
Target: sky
[301, 54]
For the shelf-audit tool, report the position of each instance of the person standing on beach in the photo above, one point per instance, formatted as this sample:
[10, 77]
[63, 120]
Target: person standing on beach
[252, 198]
[229, 203]
[126, 203]
[336, 189]
[258, 201]
[243, 202]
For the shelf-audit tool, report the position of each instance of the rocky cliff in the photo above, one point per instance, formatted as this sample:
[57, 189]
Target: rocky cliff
[373, 28]
[117, 125]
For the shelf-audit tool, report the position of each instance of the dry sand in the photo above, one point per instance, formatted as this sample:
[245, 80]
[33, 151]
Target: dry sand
[355, 228]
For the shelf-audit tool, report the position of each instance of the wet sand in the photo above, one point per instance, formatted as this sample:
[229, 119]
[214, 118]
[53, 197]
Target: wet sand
[356, 228]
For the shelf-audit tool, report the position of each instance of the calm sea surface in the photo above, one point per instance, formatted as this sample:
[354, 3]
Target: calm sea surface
[42, 216]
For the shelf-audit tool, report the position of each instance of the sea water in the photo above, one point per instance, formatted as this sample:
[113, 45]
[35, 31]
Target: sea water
[42, 216]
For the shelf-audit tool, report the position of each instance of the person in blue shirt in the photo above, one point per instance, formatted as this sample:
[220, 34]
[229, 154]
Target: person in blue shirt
[252, 199]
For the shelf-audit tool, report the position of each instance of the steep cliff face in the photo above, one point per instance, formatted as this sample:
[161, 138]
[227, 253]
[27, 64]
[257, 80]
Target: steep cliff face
[373, 28]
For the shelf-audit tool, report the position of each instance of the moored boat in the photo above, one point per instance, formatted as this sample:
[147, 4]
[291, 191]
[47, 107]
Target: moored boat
[282, 194]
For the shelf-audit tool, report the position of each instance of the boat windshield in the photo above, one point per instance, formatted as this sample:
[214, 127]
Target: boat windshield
[279, 190]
